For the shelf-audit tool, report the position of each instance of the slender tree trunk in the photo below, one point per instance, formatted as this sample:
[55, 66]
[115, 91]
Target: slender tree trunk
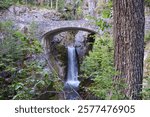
[129, 44]
[26, 2]
[56, 5]
[51, 4]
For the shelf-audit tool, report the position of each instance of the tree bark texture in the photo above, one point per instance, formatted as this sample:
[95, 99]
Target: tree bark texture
[129, 44]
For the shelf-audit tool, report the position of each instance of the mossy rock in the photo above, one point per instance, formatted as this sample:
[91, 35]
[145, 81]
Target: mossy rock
[62, 54]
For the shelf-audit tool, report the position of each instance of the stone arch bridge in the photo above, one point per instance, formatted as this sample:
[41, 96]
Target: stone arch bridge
[52, 28]
[60, 26]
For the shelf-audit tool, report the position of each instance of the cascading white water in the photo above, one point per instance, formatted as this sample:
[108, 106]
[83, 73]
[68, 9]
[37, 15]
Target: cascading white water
[72, 82]
[72, 73]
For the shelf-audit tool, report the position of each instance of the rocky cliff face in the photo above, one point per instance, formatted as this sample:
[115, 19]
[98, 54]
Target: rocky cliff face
[24, 16]
[29, 14]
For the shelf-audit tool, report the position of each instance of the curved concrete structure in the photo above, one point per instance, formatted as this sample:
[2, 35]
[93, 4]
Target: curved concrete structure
[59, 30]
[54, 27]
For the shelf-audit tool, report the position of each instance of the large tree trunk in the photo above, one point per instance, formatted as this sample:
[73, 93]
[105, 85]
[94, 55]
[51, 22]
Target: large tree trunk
[129, 44]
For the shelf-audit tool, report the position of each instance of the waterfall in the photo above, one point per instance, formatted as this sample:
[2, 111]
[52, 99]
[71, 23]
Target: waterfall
[72, 82]
[72, 73]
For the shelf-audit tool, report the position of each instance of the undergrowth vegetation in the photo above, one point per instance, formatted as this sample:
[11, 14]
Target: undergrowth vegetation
[4, 4]
[147, 3]
[146, 82]
[147, 37]
[98, 67]
[22, 74]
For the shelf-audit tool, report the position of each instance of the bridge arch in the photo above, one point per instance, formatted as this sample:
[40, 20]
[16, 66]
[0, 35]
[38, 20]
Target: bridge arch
[56, 31]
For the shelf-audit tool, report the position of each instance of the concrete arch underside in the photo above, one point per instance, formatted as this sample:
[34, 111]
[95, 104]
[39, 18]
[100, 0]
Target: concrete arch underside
[56, 31]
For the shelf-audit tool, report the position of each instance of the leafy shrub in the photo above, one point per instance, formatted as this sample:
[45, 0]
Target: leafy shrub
[146, 80]
[21, 72]
[147, 37]
[146, 89]
[147, 3]
[5, 4]
[99, 68]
